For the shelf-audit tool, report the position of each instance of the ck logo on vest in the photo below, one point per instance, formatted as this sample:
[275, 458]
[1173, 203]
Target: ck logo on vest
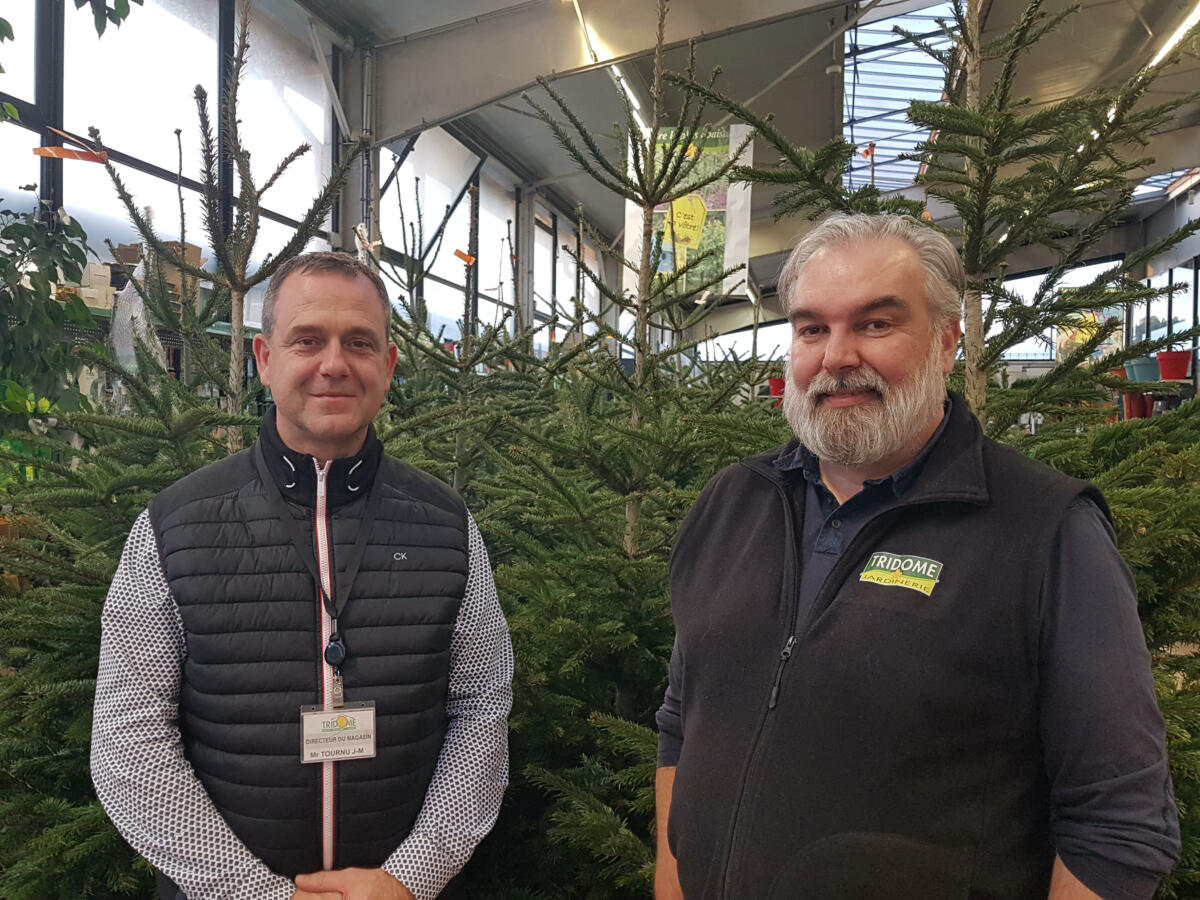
[400, 556]
[913, 572]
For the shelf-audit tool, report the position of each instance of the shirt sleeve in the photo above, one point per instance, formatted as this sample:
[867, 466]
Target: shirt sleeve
[670, 715]
[463, 799]
[1114, 820]
[141, 776]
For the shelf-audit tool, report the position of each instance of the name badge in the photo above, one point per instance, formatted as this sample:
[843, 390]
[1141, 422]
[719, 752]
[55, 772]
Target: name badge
[333, 735]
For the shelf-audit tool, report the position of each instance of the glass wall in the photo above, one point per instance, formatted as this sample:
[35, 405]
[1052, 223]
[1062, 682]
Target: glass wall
[1042, 347]
[151, 126]
[18, 75]
[148, 71]
[283, 103]
[152, 122]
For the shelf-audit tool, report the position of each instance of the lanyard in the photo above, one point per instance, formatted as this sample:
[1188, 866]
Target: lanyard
[341, 586]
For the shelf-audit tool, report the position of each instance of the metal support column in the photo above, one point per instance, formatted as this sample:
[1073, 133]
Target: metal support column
[525, 242]
[335, 143]
[48, 88]
[473, 251]
[226, 31]
[369, 185]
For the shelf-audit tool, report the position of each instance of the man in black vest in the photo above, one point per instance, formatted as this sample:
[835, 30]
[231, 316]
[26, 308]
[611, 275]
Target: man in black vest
[908, 663]
[305, 675]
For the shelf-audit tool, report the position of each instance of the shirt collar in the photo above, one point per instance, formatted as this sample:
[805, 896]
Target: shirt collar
[349, 477]
[797, 457]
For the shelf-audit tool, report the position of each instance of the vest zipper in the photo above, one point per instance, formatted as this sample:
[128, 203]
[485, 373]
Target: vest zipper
[784, 655]
[869, 532]
[329, 678]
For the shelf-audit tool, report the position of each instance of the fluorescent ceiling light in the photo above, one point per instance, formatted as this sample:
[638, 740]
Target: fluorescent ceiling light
[1192, 18]
[619, 77]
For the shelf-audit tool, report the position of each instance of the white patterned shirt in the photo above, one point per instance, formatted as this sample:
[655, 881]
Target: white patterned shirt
[156, 801]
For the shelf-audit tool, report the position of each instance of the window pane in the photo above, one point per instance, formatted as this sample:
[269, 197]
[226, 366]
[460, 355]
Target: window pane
[774, 341]
[431, 178]
[17, 55]
[543, 272]
[283, 103]
[1158, 309]
[1025, 287]
[92, 199]
[566, 287]
[491, 314]
[456, 237]
[136, 83]
[1183, 308]
[18, 167]
[495, 253]
[1040, 347]
[272, 236]
[445, 305]
[591, 293]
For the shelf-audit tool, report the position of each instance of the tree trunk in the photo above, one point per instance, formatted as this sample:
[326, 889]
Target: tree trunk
[641, 340]
[973, 337]
[237, 363]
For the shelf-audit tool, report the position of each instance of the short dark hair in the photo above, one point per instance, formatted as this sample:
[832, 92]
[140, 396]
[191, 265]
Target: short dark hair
[318, 261]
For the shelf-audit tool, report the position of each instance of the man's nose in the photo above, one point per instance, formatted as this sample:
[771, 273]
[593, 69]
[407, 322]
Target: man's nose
[841, 352]
[333, 361]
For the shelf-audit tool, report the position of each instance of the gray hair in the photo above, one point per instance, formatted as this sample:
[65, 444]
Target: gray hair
[316, 262]
[945, 278]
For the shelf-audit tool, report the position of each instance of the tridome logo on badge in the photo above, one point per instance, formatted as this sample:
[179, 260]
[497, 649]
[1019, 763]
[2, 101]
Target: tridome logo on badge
[916, 573]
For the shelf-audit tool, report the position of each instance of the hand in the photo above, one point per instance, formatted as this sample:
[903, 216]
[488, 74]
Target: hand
[351, 884]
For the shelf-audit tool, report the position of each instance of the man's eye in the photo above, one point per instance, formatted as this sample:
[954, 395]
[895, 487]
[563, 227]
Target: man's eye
[360, 345]
[878, 325]
[808, 331]
[306, 342]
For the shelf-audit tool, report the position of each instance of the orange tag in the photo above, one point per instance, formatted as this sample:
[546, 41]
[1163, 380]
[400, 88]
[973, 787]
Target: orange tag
[465, 257]
[870, 151]
[71, 153]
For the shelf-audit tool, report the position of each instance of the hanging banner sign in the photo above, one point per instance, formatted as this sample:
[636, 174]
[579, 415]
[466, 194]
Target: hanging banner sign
[715, 220]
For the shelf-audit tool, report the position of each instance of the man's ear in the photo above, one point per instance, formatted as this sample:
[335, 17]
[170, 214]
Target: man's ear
[393, 355]
[262, 356]
[948, 335]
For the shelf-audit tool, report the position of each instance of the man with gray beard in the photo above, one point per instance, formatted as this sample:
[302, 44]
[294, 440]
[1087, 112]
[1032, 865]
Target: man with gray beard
[908, 663]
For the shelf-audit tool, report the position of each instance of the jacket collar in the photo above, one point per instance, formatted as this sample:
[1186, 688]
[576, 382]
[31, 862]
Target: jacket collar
[953, 469]
[296, 474]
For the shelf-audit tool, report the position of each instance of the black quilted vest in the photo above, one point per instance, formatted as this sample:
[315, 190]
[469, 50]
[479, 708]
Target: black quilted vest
[901, 758]
[250, 612]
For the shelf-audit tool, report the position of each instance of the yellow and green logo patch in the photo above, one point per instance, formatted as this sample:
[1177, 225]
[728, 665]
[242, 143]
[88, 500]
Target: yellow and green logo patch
[913, 572]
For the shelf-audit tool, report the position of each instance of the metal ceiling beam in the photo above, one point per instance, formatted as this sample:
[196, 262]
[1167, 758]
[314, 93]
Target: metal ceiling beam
[442, 75]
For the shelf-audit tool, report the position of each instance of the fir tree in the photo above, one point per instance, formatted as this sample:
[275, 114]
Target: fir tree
[580, 507]
[95, 474]
[234, 247]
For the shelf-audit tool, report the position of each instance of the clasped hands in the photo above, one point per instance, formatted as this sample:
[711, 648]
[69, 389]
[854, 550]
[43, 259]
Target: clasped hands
[350, 884]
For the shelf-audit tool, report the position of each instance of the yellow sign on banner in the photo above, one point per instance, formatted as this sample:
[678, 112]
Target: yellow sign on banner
[688, 215]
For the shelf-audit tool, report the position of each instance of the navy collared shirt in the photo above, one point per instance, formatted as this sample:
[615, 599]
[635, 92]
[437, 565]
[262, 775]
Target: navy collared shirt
[827, 528]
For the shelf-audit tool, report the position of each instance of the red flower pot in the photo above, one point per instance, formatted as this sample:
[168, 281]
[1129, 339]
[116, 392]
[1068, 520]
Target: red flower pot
[1174, 364]
[1136, 406]
[776, 385]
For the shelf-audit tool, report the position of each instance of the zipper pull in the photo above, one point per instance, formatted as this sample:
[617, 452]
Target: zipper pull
[339, 696]
[784, 655]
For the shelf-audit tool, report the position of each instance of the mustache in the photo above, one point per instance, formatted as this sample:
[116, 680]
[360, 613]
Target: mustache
[861, 379]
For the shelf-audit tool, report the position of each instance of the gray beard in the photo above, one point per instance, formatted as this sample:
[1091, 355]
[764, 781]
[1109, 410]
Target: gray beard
[865, 434]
